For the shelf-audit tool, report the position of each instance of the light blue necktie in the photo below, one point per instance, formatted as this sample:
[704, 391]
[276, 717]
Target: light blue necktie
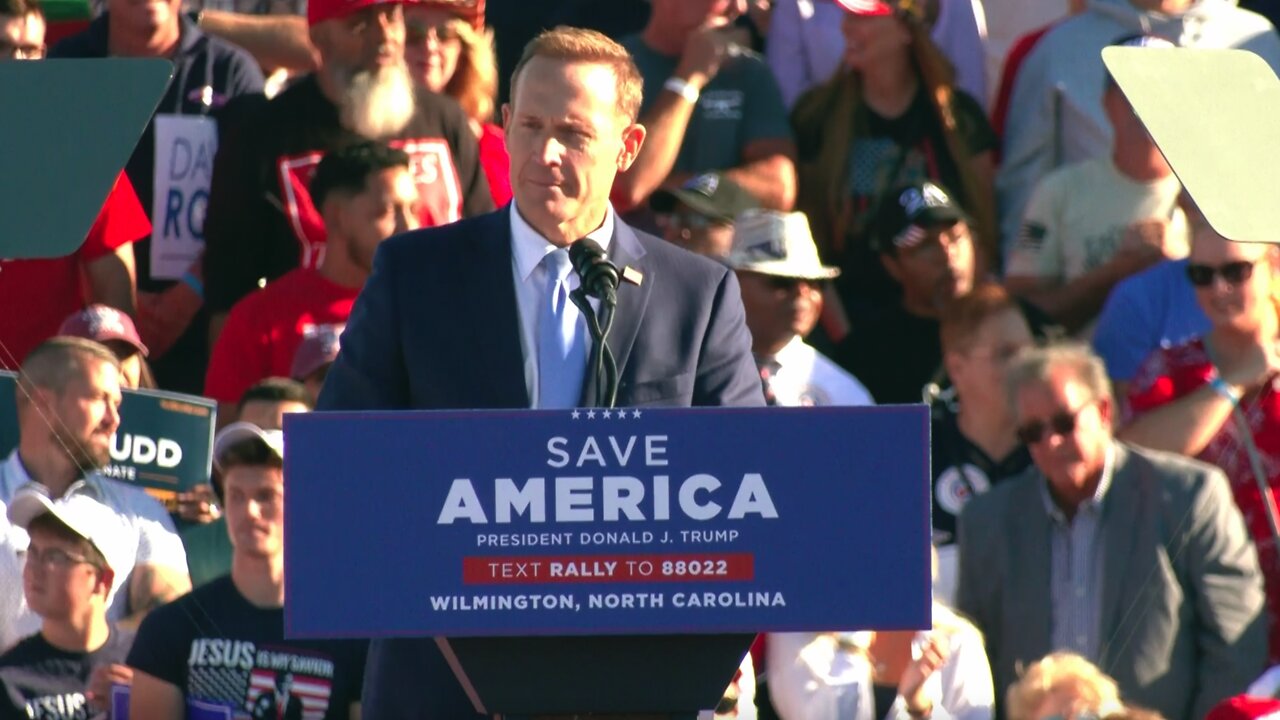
[562, 342]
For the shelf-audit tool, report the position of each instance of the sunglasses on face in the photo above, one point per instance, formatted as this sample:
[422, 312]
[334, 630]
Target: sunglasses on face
[1062, 423]
[778, 282]
[1233, 273]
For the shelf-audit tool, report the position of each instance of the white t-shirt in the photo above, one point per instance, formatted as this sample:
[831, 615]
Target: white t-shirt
[1078, 214]
[151, 540]
[807, 377]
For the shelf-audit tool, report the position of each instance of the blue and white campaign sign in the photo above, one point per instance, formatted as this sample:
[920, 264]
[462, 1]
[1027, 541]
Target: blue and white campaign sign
[594, 521]
[185, 146]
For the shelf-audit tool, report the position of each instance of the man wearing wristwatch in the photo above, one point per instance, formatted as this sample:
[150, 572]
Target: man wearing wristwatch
[709, 105]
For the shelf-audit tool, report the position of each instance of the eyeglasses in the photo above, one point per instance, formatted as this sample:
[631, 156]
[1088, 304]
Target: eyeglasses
[52, 557]
[1062, 423]
[442, 33]
[1233, 273]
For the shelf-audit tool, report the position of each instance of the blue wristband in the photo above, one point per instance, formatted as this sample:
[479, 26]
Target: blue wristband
[1221, 387]
[194, 283]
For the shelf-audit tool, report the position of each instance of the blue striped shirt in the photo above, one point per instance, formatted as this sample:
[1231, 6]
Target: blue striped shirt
[1075, 583]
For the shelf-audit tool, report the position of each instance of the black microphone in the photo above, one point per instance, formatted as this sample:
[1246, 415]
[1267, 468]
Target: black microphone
[599, 276]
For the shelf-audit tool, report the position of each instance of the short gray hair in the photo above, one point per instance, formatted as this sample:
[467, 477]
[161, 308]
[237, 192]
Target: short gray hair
[1037, 364]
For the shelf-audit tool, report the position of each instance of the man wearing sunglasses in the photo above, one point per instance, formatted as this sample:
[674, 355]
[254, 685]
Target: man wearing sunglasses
[1138, 561]
[781, 278]
[68, 569]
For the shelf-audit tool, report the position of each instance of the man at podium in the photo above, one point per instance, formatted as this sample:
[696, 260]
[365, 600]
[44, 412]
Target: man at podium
[476, 314]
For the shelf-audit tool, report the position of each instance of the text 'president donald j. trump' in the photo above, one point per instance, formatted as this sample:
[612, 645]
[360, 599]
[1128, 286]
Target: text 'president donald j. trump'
[476, 314]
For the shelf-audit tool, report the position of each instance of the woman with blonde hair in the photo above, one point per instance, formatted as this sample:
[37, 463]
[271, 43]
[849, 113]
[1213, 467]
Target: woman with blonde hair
[450, 51]
[1217, 397]
[892, 116]
[1063, 685]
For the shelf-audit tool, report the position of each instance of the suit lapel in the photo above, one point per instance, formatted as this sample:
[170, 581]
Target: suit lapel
[494, 321]
[1032, 559]
[1119, 535]
[624, 250]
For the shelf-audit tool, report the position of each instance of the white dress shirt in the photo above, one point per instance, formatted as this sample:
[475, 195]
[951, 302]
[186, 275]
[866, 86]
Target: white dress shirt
[150, 539]
[806, 377]
[812, 677]
[528, 248]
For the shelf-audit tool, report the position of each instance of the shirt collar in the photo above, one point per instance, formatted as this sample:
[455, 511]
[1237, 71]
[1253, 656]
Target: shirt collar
[13, 468]
[1093, 504]
[791, 353]
[528, 246]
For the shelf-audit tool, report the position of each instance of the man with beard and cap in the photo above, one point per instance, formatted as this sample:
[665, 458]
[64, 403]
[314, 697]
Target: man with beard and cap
[365, 192]
[171, 180]
[262, 219]
[68, 402]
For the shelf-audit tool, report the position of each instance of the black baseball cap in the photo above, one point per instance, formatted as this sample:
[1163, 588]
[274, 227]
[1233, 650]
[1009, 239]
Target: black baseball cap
[710, 194]
[908, 211]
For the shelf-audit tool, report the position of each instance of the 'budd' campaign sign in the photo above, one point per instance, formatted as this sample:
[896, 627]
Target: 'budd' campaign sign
[606, 521]
[164, 443]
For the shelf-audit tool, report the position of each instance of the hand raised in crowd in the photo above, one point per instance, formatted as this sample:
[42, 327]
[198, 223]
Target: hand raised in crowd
[918, 672]
[704, 53]
[1145, 243]
[164, 316]
[100, 681]
[199, 505]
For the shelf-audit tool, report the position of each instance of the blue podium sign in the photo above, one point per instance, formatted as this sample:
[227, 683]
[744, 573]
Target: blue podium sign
[592, 522]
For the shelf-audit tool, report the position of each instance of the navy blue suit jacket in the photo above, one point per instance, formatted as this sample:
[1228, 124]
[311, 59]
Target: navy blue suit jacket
[436, 327]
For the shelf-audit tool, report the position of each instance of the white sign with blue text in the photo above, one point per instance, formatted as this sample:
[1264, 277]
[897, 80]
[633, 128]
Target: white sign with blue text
[185, 146]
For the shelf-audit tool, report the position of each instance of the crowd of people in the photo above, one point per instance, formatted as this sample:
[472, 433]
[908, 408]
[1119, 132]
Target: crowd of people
[948, 202]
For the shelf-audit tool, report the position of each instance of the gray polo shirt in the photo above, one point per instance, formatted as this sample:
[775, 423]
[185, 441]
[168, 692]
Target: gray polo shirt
[741, 104]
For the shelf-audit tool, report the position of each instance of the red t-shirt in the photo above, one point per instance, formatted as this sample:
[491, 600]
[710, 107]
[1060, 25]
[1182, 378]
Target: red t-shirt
[37, 295]
[496, 164]
[264, 330]
[1173, 373]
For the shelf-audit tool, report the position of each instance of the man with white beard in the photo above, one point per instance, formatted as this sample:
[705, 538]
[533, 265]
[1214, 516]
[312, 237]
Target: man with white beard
[262, 222]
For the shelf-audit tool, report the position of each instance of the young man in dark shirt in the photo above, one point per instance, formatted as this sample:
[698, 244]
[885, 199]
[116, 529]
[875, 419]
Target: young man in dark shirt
[66, 577]
[222, 647]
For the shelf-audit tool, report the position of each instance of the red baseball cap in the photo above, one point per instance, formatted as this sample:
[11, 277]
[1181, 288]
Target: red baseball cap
[103, 323]
[470, 10]
[1245, 707]
[866, 8]
[320, 10]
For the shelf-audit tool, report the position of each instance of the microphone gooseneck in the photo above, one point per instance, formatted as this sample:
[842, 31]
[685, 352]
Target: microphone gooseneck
[598, 278]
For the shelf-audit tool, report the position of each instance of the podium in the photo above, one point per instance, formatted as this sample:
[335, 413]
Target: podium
[604, 562]
[67, 130]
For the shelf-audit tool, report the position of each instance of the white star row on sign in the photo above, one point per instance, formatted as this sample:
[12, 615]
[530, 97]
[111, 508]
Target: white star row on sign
[605, 414]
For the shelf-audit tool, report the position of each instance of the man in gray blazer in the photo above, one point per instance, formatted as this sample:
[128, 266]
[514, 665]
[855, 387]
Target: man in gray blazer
[1137, 560]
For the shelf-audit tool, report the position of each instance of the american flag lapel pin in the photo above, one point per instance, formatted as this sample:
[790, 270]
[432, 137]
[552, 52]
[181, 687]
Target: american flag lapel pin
[632, 275]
